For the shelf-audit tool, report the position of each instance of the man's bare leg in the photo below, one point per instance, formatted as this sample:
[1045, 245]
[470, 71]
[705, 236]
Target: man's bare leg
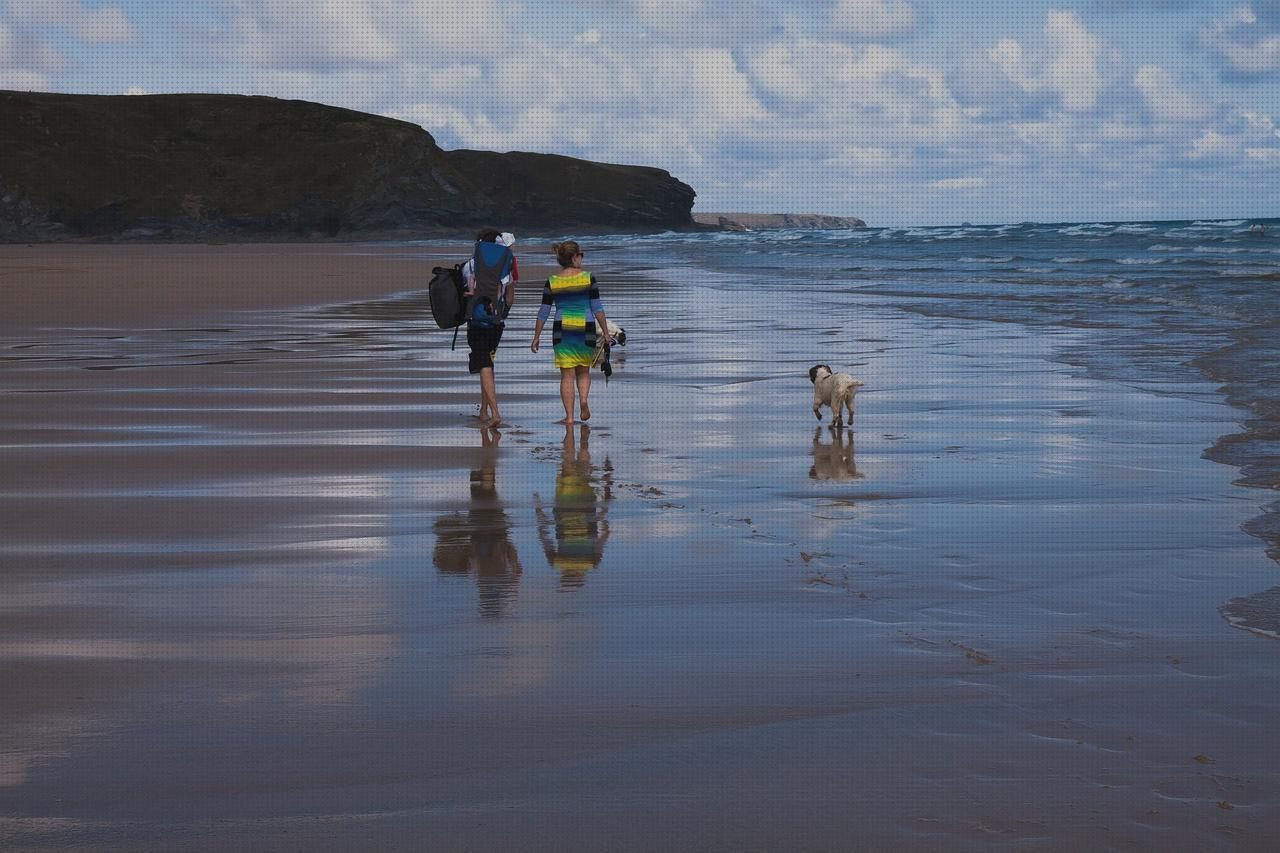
[489, 398]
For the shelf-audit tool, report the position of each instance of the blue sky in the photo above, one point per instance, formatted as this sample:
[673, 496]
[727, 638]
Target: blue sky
[899, 111]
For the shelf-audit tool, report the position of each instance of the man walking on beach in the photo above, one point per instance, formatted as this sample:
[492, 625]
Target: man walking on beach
[491, 293]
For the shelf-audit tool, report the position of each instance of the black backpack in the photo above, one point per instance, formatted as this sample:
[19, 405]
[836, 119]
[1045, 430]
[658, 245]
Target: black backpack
[448, 296]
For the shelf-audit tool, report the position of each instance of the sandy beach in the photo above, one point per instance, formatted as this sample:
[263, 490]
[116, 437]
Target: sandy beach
[265, 585]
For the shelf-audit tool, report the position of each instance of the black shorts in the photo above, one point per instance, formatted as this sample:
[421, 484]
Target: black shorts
[483, 341]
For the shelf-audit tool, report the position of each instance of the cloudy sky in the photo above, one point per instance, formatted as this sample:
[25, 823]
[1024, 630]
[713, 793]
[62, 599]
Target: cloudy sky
[899, 111]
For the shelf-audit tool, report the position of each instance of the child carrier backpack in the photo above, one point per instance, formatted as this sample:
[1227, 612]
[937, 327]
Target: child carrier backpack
[491, 263]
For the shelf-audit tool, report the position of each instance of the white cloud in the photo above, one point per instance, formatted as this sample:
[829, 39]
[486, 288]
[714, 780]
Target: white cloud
[1246, 41]
[466, 28]
[8, 45]
[1071, 71]
[856, 158]
[95, 25]
[293, 33]
[871, 89]
[779, 71]
[22, 80]
[875, 19]
[104, 25]
[25, 61]
[1075, 67]
[1213, 146]
[1165, 99]
[1257, 123]
[971, 182]
[1008, 56]
[721, 87]
[731, 24]
[996, 83]
[457, 80]
[320, 33]
[1048, 136]
[670, 16]
[1120, 128]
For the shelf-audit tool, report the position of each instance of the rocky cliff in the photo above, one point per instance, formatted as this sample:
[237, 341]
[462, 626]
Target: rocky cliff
[777, 221]
[238, 167]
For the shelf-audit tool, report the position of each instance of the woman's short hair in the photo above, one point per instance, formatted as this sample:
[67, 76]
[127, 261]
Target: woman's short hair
[488, 235]
[566, 251]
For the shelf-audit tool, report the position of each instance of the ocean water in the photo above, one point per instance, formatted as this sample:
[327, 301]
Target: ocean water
[1166, 301]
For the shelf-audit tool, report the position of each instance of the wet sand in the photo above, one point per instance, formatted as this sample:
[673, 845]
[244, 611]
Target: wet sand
[264, 584]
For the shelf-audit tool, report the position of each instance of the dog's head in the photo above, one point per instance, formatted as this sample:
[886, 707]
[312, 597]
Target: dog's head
[620, 337]
[818, 371]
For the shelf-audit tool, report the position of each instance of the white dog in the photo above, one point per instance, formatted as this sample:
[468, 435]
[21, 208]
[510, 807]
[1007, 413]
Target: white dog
[616, 332]
[834, 390]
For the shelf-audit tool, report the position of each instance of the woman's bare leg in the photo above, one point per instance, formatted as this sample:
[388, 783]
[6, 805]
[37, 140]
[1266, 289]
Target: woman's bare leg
[584, 388]
[566, 393]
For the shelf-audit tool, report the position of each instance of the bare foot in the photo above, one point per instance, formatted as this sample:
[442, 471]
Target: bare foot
[586, 413]
[565, 421]
[495, 421]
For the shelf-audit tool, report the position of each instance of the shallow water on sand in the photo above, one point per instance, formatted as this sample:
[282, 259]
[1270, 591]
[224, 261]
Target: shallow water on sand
[264, 583]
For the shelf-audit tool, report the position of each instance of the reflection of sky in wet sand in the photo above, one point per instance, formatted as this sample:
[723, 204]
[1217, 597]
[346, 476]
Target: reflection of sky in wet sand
[270, 642]
[190, 532]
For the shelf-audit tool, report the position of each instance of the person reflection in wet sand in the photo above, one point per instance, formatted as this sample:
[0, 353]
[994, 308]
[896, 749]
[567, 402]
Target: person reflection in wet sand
[578, 514]
[479, 543]
[833, 461]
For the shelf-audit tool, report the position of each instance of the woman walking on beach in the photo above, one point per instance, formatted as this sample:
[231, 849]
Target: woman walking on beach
[576, 299]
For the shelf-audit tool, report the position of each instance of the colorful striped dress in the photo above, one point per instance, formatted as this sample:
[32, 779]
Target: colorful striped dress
[576, 299]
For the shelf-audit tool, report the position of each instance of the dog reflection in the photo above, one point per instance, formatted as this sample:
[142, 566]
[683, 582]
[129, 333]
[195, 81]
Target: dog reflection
[577, 515]
[833, 461]
[479, 543]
